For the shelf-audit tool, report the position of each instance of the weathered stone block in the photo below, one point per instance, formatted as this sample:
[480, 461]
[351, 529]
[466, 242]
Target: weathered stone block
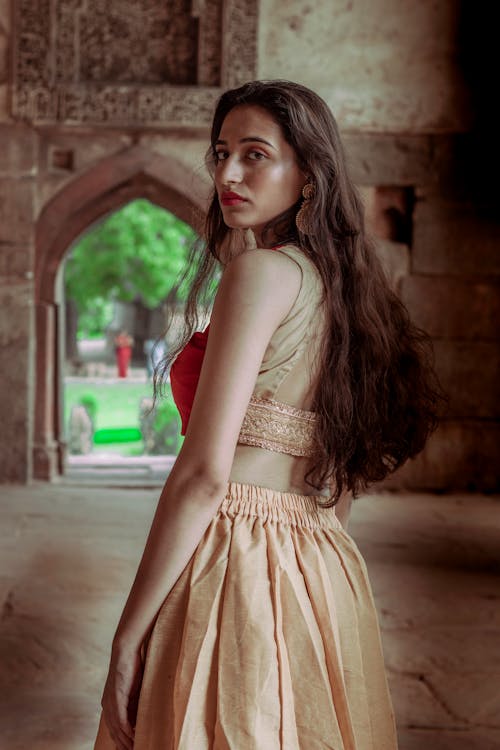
[395, 259]
[377, 159]
[481, 681]
[5, 116]
[15, 382]
[87, 148]
[16, 261]
[416, 705]
[15, 459]
[460, 455]
[470, 374]
[17, 151]
[440, 651]
[187, 149]
[5, 15]
[84, 151]
[16, 306]
[363, 60]
[448, 307]
[430, 561]
[4, 46]
[452, 239]
[16, 210]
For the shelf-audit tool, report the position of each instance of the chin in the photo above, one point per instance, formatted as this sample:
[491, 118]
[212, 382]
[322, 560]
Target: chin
[232, 224]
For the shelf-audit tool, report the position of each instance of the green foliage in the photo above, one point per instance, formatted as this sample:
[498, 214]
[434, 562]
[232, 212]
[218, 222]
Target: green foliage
[136, 252]
[95, 318]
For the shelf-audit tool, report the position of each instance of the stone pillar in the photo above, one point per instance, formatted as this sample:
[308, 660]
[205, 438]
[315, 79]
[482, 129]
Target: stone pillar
[453, 292]
[5, 37]
[17, 198]
[16, 378]
[45, 447]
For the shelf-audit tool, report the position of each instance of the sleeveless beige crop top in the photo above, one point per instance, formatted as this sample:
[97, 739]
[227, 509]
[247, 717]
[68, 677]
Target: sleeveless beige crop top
[277, 417]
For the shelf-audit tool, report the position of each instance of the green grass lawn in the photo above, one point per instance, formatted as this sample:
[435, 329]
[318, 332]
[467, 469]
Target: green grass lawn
[117, 403]
[117, 407]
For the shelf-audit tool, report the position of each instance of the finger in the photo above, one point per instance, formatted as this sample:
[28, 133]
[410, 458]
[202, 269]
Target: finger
[120, 739]
[124, 722]
[116, 712]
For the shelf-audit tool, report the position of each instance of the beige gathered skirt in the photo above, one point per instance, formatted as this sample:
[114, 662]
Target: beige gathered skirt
[269, 639]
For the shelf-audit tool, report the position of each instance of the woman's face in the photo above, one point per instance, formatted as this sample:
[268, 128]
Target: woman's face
[256, 174]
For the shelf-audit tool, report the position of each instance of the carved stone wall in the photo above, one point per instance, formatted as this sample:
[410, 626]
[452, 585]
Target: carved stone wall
[101, 104]
[129, 62]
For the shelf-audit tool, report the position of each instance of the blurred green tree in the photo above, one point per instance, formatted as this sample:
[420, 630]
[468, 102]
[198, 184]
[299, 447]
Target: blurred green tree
[136, 253]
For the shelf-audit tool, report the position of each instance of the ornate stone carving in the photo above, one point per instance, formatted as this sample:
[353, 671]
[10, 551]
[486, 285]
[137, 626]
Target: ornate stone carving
[129, 62]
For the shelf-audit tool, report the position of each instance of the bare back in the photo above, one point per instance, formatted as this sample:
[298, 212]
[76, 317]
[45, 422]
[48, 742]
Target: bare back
[287, 376]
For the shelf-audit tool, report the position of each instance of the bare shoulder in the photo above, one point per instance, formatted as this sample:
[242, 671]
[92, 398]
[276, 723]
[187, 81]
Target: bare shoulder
[260, 272]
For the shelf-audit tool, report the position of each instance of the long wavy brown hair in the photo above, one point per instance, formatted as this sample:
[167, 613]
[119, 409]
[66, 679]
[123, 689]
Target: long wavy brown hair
[377, 397]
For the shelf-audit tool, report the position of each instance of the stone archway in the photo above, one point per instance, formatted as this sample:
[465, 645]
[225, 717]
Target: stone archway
[114, 181]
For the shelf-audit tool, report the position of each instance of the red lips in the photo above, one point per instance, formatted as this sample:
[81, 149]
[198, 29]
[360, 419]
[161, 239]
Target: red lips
[231, 199]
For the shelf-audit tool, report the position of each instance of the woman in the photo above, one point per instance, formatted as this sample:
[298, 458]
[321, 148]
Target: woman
[251, 624]
[123, 349]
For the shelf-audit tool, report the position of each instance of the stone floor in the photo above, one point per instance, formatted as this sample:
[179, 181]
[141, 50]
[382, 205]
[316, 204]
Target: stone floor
[68, 554]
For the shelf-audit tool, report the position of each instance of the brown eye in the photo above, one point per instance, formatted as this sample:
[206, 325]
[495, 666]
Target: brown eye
[256, 155]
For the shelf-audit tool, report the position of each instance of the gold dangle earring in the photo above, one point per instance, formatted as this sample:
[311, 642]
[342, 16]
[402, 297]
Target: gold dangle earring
[303, 217]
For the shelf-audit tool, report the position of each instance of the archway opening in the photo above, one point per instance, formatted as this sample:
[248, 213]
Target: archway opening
[112, 183]
[118, 285]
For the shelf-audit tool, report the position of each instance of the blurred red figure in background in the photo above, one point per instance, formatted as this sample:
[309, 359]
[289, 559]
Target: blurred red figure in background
[123, 349]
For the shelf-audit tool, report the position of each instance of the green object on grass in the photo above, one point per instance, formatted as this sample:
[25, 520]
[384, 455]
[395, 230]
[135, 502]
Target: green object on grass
[117, 435]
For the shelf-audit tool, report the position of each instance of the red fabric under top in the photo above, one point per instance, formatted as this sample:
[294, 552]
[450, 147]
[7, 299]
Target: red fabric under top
[185, 372]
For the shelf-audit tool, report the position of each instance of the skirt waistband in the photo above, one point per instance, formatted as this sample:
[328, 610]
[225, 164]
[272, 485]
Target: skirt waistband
[252, 500]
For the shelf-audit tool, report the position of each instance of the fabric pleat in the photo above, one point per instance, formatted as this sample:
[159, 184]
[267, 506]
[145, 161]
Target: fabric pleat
[269, 640]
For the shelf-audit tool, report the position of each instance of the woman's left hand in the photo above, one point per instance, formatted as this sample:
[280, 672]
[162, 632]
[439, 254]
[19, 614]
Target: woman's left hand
[121, 696]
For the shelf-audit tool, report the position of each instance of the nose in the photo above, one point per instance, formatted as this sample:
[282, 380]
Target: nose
[230, 170]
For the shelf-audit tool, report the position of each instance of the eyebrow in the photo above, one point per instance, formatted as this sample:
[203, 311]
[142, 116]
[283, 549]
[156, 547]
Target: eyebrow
[249, 139]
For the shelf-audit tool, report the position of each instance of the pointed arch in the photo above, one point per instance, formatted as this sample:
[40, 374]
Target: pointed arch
[136, 172]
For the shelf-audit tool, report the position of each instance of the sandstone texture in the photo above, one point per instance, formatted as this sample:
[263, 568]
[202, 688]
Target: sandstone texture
[411, 92]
